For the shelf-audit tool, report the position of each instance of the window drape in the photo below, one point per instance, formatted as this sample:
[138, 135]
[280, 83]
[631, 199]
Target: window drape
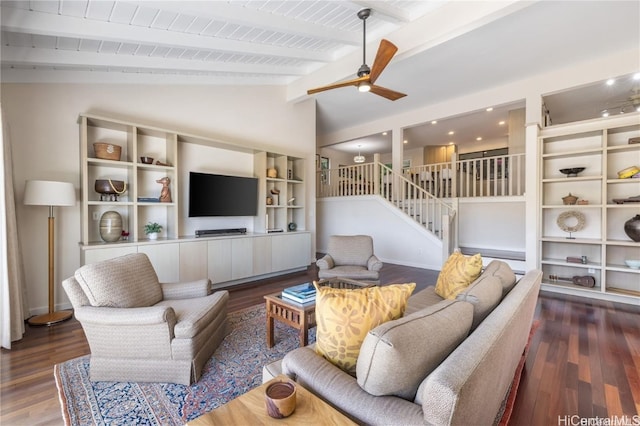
[12, 288]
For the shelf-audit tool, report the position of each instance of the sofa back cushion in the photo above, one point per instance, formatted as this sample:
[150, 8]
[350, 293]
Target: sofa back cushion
[350, 249]
[484, 294]
[123, 282]
[503, 272]
[396, 356]
[345, 316]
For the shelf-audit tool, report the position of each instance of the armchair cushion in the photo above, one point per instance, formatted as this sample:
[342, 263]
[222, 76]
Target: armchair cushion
[123, 282]
[350, 249]
[193, 315]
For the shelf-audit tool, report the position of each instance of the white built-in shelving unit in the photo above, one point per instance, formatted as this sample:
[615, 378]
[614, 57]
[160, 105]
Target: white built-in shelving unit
[224, 259]
[602, 147]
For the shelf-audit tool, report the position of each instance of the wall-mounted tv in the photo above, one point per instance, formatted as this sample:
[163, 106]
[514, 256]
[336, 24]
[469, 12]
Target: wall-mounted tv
[220, 195]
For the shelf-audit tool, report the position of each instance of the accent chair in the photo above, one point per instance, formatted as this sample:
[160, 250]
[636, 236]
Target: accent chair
[350, 256]
[141, 330]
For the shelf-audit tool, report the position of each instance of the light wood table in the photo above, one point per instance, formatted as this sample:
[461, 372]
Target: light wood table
[250, 409]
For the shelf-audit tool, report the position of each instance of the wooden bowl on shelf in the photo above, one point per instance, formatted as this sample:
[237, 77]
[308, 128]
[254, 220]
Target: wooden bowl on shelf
[572, 171]
[146, 160]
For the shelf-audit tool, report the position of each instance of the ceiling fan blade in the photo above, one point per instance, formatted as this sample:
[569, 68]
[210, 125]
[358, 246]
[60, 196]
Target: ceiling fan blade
[387, 93]
[353, 82]
[383, 57]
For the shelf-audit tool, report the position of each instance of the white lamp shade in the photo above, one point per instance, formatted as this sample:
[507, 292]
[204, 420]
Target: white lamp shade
[49, 193]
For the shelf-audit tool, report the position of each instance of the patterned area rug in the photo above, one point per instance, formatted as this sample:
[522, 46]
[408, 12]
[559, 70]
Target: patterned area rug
[234, 369]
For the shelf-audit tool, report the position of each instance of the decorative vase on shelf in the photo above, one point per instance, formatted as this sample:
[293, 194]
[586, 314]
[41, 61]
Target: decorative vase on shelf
[110, 226]
[632, 228]
[153, 236]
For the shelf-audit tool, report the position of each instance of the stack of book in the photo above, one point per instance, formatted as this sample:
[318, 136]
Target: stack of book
[301, 293]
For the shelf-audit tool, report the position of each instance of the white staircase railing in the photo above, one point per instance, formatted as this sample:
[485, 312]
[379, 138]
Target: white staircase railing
[430, 212]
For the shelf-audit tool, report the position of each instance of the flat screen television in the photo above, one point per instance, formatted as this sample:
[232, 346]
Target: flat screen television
[221, 195]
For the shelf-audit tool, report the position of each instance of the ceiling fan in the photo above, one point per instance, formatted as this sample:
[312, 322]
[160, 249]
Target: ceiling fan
[367, 76]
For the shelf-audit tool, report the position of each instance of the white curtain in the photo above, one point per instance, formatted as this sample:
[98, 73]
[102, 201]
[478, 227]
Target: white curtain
[12, 288]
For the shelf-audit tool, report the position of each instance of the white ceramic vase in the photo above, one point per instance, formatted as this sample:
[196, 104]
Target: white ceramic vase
[152, 235]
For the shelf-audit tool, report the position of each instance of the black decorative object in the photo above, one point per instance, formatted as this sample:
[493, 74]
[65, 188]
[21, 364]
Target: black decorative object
[572, 172]
[632, 228]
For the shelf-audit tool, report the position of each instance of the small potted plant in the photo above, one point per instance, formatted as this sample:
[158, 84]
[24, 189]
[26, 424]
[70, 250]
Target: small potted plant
[152, 229]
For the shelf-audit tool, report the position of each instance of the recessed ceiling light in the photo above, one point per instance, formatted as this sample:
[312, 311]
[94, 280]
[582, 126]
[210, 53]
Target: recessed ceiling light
[479, 138]
[605, 113]
[501, 123]
[451, 132]
[450, 143]
[636, 76]
[384, 133]
[489, 109]
[405, 141]
[610, 82]
[434, 122]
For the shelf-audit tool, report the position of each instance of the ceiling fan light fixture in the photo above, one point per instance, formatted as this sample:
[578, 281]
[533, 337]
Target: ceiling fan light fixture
[364, 86]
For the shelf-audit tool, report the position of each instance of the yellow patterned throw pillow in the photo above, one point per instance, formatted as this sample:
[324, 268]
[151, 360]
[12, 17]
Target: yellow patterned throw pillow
[345, 316]
[457, 273]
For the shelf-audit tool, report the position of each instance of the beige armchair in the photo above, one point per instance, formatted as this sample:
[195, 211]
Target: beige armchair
[141, 330]
[350, 256]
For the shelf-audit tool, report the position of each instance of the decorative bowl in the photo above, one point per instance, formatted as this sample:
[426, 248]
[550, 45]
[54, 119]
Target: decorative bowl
[147, 160]
[633, 263]
[572, 171]
[628, 172]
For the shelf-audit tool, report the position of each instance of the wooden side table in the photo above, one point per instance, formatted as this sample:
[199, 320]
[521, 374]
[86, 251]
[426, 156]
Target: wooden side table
[295, 315]
[250, 409]
[299, 316]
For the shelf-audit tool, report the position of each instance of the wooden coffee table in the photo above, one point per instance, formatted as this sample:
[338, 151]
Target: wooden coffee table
[301, 317]
[250, 409]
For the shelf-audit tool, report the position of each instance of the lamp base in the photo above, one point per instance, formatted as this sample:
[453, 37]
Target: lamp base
[50, 318]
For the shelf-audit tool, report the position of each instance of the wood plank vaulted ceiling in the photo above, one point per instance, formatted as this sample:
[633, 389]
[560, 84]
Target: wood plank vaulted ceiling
[446, 48]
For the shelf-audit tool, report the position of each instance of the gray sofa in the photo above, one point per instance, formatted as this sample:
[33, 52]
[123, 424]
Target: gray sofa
[445, 362]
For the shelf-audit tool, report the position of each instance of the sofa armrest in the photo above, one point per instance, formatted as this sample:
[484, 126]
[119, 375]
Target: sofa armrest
[150, 315]
[374, 264]
[186, 290]
[326, 262]
[342, 391]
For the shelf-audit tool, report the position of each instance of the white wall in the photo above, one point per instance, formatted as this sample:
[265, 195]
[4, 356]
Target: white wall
[396, 239]
[506, 218]
[44, 134]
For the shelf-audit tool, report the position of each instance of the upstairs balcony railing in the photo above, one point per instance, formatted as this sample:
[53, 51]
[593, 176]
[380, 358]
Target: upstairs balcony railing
[499, 176]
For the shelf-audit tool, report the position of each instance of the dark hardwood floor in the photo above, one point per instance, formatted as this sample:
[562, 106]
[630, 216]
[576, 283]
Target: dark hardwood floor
[584, 359]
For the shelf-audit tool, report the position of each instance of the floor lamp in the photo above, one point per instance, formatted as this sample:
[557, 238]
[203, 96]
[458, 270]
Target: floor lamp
[48, 193]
